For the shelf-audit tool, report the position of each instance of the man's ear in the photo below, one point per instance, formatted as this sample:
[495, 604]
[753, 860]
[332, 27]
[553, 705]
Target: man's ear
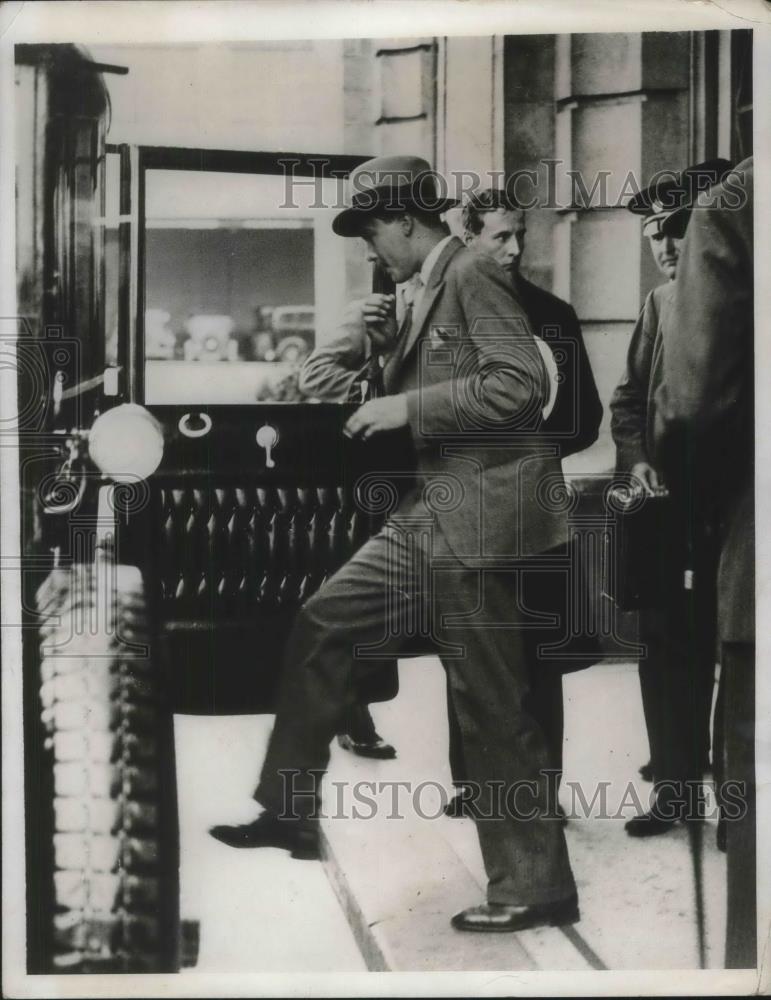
[407, 223]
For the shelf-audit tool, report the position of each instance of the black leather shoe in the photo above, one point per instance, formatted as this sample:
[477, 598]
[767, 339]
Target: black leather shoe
[376, 748]
[300, 839]
[501, 917]
[361, 737]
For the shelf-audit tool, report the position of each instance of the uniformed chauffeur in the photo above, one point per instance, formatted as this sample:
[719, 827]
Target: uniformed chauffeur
[677, 669]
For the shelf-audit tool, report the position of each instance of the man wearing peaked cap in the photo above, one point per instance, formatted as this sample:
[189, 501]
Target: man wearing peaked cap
[672, 195]
[677, 669]
[463, 378]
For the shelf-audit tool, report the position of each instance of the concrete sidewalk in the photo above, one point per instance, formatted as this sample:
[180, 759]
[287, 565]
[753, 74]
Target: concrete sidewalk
[255, 911]
[401, 879]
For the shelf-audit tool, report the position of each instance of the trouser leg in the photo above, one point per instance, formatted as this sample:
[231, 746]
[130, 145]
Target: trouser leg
[544, 698]
[457, 763]
[677, 672]
[526, 861]
[649, 670]
[374, 681]
[547, 707]
[505, 753]
[357, 607]
[545, 704]
[677, 680]
[738, 670]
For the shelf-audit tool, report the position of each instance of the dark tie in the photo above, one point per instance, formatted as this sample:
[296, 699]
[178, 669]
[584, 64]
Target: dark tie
[374, 377]
[402, 336]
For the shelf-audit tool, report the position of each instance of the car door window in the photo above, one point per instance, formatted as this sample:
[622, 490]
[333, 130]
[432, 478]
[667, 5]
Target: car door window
[239, 272]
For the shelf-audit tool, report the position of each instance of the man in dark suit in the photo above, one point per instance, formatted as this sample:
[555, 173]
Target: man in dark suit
[677, 669]
[496, 225]
[463, 377]
[705, 411]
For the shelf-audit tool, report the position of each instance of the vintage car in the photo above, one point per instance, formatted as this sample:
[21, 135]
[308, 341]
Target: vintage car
[293, 332]
[209, 339]
[173, 524]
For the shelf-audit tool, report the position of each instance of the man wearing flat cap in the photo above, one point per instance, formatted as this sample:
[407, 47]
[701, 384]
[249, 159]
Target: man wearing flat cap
[462, 376]
[677, 669]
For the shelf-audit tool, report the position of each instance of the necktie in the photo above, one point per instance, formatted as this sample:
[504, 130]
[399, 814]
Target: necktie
[411, 295]
[373, 378]
[370, 383]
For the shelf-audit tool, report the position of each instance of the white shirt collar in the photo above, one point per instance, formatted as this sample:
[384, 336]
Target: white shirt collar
[433, 257]
[410, 292]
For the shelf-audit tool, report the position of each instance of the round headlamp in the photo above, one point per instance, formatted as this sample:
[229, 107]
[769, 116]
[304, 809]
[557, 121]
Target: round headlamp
[126, 443]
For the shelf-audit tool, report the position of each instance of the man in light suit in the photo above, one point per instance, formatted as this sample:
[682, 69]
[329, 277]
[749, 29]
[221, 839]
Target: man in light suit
[494, 225]
[463, 377]
[705, 411]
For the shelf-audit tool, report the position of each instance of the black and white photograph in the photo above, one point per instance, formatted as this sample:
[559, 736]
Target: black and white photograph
[382, 428]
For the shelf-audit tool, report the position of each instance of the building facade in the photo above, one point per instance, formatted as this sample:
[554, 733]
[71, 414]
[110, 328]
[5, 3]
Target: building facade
[588, 116]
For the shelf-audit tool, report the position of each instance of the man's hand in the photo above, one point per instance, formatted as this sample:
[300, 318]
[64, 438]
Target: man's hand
[648, 477]
[379, 312]
[386, 413]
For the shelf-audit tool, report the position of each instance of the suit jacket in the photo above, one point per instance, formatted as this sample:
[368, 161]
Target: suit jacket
[330, 369]
[707, 396]
[574, 421]
[475, 386]
[633, 404]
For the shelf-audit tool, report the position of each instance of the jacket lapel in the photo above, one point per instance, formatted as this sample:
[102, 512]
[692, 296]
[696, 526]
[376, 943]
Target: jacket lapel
[430, 295]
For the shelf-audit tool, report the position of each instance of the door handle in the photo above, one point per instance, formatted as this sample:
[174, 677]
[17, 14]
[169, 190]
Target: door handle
[267, 438]
[194, 432]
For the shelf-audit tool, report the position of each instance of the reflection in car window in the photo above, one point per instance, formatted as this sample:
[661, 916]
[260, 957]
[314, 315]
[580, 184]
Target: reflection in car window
[230, 279]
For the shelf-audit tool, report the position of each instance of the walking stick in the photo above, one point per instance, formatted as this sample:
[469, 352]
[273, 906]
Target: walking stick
[694, 823]
[695, 843]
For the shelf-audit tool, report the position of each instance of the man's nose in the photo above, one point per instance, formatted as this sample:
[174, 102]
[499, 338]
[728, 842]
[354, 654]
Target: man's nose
[670, 247]
[513, 246]
[371, 256]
